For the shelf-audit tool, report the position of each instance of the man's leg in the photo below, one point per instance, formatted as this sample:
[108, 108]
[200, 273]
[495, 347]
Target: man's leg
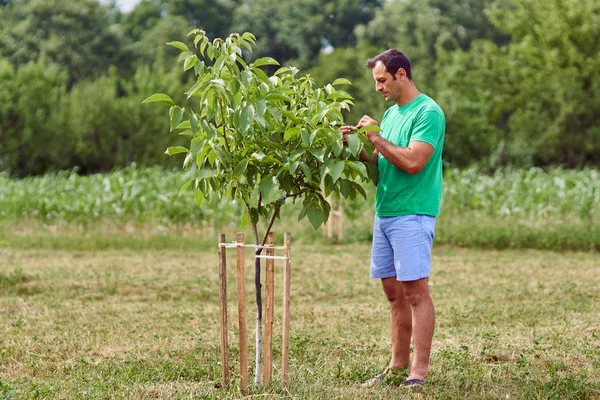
[423, 323]
[400, 322]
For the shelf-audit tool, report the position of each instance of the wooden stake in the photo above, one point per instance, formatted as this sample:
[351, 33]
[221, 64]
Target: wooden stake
[340, 220]
[330, 219]
[285, 345]
[241, 285]
[223, 300]
[269, 311]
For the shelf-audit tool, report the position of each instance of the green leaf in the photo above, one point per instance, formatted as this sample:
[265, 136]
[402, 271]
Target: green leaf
[261, 75]
[240, 168]
[290, 133]
[353, 144]
[316, 217]
[369, 128]
[244, 222]
[175, 115]
[249, 37]
[223, 155]
[306, 138]
[264, 61]
[194, 124]
[196, 145]
[294, 167]
[359, 166]
[306, 171]
[190, 62]
[176, 150]
[337, 146]
[261, 108]
[197, 39]
[254, 196]
[219, 63]
[246, 118]
[281, 70]
[345, 187]
[373, 173]
[336, 171]
[184, 187]
[199, 198]
[274, 96]
[341, 81]
[360, 189]
[187, 161]
[266, 186]
[319, 154]
[184, 56]
[285, 181]
[183, 125]
[179, 45]
[159, 98]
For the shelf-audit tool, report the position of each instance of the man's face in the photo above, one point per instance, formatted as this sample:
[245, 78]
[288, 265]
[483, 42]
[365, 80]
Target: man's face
[385, 83]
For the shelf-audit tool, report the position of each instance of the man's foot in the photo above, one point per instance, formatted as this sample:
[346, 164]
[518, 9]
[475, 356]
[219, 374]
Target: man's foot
[389, 376]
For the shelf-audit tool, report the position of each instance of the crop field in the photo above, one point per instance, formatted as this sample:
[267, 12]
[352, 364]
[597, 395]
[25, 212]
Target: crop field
[555, 210]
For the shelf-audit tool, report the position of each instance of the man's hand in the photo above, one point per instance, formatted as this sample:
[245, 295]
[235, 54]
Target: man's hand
[346, 130]
[349, 130]
[365, 121]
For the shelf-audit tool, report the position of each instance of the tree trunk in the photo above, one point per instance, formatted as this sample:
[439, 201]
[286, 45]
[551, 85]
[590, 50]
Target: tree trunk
[259, 362]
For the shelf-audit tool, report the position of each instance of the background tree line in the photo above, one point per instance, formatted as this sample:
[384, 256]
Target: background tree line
[519, 80]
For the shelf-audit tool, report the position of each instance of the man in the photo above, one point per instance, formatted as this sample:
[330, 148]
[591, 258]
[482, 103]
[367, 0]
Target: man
[408, 155]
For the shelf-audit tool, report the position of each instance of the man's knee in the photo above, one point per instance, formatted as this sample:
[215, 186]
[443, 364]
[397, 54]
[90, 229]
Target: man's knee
[416, 292]
[393, 290]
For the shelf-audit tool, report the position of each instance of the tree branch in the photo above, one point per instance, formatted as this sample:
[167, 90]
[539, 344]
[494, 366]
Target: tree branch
[275, 213]
[224, 128]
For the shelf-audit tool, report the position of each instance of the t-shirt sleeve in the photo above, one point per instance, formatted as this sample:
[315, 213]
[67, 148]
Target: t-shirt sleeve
[429, 128]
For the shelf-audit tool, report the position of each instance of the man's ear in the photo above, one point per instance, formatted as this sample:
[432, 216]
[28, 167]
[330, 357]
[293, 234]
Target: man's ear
[401, 74]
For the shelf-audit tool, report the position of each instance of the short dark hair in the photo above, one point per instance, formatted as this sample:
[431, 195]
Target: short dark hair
[392, 60]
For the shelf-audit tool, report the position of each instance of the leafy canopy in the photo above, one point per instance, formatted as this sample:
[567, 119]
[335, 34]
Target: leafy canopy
[263, 139]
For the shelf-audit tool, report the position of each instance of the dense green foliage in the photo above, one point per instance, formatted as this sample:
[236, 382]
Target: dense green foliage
[263, 140]
[517, 79]
[557, 209]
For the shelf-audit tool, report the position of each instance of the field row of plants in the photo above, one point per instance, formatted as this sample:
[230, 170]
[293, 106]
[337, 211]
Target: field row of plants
[555, 209]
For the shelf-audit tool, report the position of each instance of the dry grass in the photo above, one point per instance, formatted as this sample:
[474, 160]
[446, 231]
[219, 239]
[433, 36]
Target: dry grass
[144, 324]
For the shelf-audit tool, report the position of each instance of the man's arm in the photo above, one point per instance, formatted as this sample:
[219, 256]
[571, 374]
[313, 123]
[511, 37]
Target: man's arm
[411, 159]
[370, 158]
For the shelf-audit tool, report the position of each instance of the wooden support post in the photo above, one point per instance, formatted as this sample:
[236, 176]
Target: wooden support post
[269, 311]
[330, 219]
[285, 341]
[340, 220]
[223, 301]
[241, 285]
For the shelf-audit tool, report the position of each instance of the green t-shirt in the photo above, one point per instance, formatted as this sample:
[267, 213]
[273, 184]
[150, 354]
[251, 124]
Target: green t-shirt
[398, 192]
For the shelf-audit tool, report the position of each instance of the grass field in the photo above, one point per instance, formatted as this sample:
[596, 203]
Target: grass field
[124, 313]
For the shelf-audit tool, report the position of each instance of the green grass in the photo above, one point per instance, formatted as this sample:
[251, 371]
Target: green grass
[94, 320]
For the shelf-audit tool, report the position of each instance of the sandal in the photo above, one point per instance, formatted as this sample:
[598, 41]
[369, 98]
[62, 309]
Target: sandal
[410, 383]
[390, 376]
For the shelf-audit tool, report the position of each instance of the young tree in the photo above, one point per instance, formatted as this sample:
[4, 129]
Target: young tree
[263, 140]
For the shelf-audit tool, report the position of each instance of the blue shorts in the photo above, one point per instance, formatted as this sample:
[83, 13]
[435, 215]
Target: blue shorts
[402, 247]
